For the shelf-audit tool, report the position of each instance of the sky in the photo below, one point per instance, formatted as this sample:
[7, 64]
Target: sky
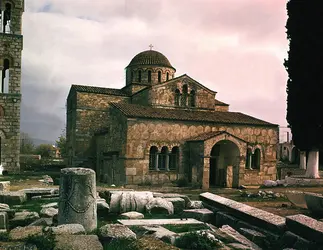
[234, 47]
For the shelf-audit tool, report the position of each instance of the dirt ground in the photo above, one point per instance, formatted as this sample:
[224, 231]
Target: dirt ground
[280, 206]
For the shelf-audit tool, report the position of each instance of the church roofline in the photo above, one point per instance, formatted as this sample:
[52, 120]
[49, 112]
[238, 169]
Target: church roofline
[148, 112]
[209, 135]
[98, 90]
[183, 76]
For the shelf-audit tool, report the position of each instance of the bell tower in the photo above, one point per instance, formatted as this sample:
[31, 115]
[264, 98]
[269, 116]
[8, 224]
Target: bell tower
[11, 44]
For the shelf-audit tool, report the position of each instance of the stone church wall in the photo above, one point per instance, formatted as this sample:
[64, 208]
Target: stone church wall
[92, 114]
[142, 134]
[111, 148]
[164, 94]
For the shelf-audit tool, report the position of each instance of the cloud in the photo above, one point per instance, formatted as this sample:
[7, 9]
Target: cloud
[234, 47]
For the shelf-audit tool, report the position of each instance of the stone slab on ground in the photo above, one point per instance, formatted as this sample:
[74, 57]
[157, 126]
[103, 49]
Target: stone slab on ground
[147, 222]
[30, 192]
[314, 203]
[71, 242]
[132, 215]
[5, 186]
[21, 233]
[24, 218]
[13, 198]
[4, 221]
[68, 229]
[116, 231]
[305, 227]
[253, 215]
[172, 195]
[297, 198]
[203, 214]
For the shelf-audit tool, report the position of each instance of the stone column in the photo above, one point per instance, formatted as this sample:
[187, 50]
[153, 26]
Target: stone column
[229, 177]
[302, 160]
[77, 198]
[156, 162]
[167, 162]
[249, 161]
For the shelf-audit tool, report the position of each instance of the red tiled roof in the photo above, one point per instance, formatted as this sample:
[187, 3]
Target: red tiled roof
[219, 103]
[134, 110]
[98, 90]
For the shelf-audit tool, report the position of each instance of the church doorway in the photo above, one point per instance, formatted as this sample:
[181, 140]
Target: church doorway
[223, 154]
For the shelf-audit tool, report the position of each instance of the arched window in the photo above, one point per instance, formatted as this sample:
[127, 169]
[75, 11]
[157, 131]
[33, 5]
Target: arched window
[6, 19]
[139, 76]
[177, 97]
[248, 158]
[163, 159]
[167, 76]
[192, 98]
[4, 88]
[174, 158]
[131, 76]
[256, 159]
[184, 96]
[153, 158]
[159, 76]
[149, 75]
[1, 111]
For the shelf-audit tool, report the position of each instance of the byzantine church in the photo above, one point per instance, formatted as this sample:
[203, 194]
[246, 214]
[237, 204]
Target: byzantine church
[161, 128]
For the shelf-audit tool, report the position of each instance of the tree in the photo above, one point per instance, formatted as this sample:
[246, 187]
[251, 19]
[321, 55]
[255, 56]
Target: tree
[26, 144]
[61, 144]
[304, 66]
[45, 150]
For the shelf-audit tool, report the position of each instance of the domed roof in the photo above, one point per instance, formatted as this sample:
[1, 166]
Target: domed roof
[150, 57]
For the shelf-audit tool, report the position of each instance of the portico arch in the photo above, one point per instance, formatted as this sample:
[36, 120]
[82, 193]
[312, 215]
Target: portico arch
[224, 153]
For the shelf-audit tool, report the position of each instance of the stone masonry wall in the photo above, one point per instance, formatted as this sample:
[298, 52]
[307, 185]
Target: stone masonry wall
[164, 94]
[142, 134]
[221, 108]
[113, 142]
[10, 132]
[92, 114]
[11, 46]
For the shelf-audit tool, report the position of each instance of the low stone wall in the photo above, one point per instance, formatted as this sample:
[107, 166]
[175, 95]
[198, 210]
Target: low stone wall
[296, 232]
[282, 172]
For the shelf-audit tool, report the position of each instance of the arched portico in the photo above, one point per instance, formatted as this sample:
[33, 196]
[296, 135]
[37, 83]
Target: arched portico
[222, 153]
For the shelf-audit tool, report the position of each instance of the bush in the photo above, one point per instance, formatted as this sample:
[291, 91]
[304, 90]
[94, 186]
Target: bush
[183, 182]
[42, 241]
[196, 241]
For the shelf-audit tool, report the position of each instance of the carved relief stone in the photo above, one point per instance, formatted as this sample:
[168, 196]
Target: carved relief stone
[77, 198]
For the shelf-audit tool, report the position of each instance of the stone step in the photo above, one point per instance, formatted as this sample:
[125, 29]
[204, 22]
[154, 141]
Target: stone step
[306, 227]
[146, 222]
[255, 216]
[203, 214]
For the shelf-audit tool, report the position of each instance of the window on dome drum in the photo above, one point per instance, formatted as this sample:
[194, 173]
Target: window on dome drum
[177, 97]
[153, 158]
[174, 158]
[163, 159]
[139, 76]
[4, 86]
[184, 96]
[256, 159]
[167, 76]
[149, 75]
[192, 98]
[159, 76]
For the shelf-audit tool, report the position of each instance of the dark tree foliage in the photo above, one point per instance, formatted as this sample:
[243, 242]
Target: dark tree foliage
[305, 70]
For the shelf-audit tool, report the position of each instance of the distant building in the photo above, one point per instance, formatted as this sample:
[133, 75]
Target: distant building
[161, 128]
[11, 46]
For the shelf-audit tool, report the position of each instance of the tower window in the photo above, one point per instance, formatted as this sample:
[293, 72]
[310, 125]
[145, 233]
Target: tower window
[149, 75]
[167, 76]
[139, 76]
[159, 76]
[4, 87]
[6, 19]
